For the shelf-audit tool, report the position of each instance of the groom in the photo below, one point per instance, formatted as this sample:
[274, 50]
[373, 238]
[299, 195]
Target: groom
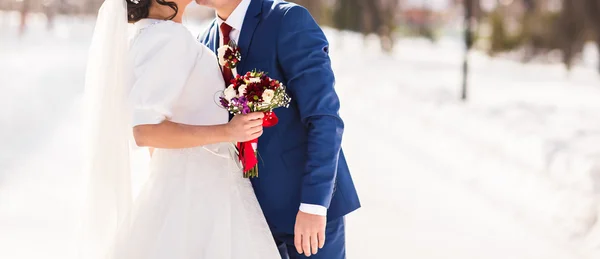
[304, 186]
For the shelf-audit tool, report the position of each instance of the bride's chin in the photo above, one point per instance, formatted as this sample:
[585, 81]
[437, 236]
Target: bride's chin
[203, 3]
[183, 3]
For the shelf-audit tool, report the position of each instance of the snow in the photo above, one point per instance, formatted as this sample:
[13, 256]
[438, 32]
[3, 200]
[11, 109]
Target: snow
[525, 140]
[513, 173]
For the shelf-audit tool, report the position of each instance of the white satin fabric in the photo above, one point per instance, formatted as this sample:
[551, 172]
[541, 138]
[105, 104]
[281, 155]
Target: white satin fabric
[195, 204]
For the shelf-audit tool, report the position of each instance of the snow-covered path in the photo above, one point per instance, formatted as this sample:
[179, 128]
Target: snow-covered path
[415, 170]
[416, 213]
[417, 202]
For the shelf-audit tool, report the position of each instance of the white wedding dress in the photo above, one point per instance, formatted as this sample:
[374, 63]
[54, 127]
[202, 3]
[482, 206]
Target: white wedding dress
[195, 204]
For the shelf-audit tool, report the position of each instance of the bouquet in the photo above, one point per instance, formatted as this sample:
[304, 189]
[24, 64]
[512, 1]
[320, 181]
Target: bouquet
[254, 92]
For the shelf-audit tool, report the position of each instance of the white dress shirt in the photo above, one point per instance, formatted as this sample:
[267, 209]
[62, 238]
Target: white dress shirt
[236, 21]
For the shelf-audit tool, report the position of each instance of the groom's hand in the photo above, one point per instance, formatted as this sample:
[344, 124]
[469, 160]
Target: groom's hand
[309, 233]
[246, 127]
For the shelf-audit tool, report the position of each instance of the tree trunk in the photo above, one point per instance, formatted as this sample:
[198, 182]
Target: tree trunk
[25, 6]
[50, 12]
[314, 6]
[386, 32]
[572, 30]
[367, 17]
[372, 13]
[593, 7]
[598, 47]
[347, 15]
[468, 37]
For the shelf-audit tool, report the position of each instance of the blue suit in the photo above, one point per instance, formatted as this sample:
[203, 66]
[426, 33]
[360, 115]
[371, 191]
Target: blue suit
[301, 159]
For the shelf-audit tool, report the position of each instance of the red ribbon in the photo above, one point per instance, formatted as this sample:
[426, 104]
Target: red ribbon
[270, 119]
[247, 152]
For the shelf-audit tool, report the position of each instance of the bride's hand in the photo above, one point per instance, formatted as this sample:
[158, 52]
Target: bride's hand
[245, 127]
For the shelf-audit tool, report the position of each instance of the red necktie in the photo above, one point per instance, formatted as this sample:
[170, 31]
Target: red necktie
[227, 73]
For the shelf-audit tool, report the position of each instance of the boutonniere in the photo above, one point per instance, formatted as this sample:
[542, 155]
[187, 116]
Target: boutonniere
[229, 55]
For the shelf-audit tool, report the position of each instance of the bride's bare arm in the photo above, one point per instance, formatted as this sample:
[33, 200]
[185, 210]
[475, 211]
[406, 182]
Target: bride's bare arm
[171, 135]
[174, 135]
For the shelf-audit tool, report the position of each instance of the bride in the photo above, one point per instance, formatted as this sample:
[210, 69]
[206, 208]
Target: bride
[159, 87]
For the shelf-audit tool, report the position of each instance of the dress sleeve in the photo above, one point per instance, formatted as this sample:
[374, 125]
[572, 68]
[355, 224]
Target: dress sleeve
[162, 63]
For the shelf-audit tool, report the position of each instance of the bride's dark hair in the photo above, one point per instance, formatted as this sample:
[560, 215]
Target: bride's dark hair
[140, 9]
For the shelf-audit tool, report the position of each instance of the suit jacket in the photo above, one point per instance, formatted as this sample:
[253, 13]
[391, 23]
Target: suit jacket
[300, 159]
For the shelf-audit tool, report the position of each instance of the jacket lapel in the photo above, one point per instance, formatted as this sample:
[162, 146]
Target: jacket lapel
[251, 21]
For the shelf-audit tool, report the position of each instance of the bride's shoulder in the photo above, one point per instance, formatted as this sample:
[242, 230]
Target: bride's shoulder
[158, 32]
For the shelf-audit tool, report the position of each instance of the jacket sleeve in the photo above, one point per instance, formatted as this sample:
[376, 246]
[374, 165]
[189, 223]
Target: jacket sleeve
[303, 54]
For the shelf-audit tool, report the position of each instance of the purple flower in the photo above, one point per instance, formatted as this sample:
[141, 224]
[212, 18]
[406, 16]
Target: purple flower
[242, 103]
[234, 101]
[224, 102]
[246, 109]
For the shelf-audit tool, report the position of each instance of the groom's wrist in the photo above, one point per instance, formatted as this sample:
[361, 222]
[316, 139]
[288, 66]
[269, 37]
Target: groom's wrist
[313, 209]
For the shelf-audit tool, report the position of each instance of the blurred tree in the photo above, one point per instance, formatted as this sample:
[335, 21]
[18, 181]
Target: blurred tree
[498, 35]
[539, 34]
[543, 29]
[476, 11]
[426, 28]
[572, 30]
[25, 8]
[509, 23]
[316, 8]
[368, 17]
[593, 14]
[92, 6]
[379, 19]
[469, 6]
[530, 6]
[49, 8]
[372, 16]
[388, 12]
[347, 15]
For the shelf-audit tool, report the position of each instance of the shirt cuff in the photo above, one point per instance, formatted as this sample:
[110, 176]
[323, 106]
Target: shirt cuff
[313, 209]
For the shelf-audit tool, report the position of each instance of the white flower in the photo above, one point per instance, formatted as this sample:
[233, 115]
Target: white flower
[221, 54]
[229, 93]
[254, 80]
[242, 89]
[268, 95]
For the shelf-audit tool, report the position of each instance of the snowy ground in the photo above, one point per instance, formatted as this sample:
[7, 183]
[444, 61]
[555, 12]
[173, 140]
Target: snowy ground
[512, 174]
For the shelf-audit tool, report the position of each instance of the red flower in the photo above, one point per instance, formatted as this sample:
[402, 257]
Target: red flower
[232, 57]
